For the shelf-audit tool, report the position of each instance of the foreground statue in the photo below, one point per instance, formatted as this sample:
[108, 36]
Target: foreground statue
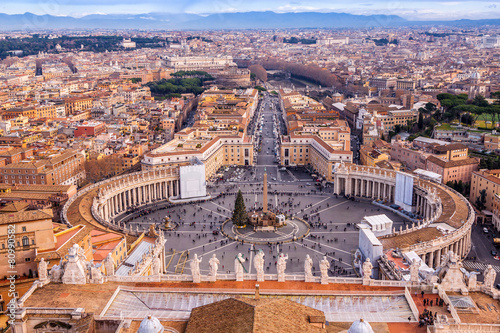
[42, 270]
[195, 269]
[258, 264]
[324, 266]
[367, 271]
[489, 278]
[213, 267]
[238, 267]
[282, 267]
[308, 265]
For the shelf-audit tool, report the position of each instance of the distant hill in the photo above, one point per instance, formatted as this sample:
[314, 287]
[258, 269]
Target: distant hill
[245, 20]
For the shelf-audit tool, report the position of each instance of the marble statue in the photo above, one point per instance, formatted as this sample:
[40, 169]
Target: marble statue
[213, 267]
[238, 267]
[155, 266]
[56, 273]
[195, 269]
[42, 270]
[96, 275]
[414, 267]
[258, 264]
[76, 267]
[472, 283]
[367, 270]
[324, 265]
[109, 265]
[282, 267]
[308, 265]
[489, 277]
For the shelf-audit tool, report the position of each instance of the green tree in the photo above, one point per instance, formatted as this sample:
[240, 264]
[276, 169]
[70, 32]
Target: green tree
[481, 200]
[479, 100]
[420, 121]
[240, 216]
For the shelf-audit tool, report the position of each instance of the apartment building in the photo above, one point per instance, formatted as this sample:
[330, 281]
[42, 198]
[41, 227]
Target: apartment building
[312, 150]
[488, 180]
[90, 129]
[64, 168]
[213, 148]
[492, 141]
[73, 105]
[32, 232]
[452, 163]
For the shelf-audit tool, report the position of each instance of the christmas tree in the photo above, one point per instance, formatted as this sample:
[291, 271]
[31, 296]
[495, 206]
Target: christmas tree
[240, 215]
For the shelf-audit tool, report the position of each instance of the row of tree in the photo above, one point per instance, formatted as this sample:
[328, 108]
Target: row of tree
[468, 111]
[312, 73]
[181, 83]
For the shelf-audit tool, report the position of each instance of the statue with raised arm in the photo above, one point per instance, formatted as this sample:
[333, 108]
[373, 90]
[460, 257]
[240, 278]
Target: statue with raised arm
[324, 266]
[308, 265]
[195, 269]
[282, 267]
[258, 264]
[42, 270]
[213, 267]
[238, 267]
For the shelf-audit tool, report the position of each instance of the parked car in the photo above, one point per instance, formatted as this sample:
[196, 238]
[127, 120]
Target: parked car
[485, 230]
[494, 253]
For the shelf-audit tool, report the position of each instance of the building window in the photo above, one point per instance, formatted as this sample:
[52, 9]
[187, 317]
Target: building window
[26, 241]
[24, 229]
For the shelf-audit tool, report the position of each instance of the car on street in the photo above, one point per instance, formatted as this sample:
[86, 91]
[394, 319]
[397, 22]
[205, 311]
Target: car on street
[485, 230]
[494, 253]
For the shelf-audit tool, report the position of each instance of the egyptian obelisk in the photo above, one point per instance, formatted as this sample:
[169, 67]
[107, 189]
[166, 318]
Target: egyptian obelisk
[264, 204]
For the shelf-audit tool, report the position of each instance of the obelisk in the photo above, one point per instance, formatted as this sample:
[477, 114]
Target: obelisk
[264, 204]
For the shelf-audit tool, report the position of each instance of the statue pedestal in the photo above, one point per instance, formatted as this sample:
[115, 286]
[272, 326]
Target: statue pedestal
[324, 280]
[196, 279]
[239, 277]
[308, 278]
[281, 278]
[212, 278]
[367, 281]
[260, 277]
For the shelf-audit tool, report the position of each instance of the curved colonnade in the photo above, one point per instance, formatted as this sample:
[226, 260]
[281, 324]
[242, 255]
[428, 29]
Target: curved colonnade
[98, 204]
[440, 206]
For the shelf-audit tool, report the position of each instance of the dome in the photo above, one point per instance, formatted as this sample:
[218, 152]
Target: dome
[475, 76]
[360, 326]
[150, 325]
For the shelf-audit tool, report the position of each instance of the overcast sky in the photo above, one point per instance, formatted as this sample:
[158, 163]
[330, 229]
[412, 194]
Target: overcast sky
[409, 9]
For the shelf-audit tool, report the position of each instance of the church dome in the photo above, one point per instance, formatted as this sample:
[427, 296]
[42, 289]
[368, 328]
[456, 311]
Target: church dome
[475, 76]
[150, 325]
[360, 326]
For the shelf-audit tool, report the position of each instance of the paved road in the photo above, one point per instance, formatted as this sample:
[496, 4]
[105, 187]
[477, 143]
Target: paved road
[332, 218]
[480, 256]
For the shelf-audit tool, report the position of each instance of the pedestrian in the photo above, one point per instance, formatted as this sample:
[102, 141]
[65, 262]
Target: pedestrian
[431, 302]
[422, 293]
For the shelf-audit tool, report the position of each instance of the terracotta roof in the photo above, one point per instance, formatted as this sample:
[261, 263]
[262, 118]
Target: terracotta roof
[31, 215]
[452, 146]
[405, 240]
[452, 164]
[250, 315]
[14, 207]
